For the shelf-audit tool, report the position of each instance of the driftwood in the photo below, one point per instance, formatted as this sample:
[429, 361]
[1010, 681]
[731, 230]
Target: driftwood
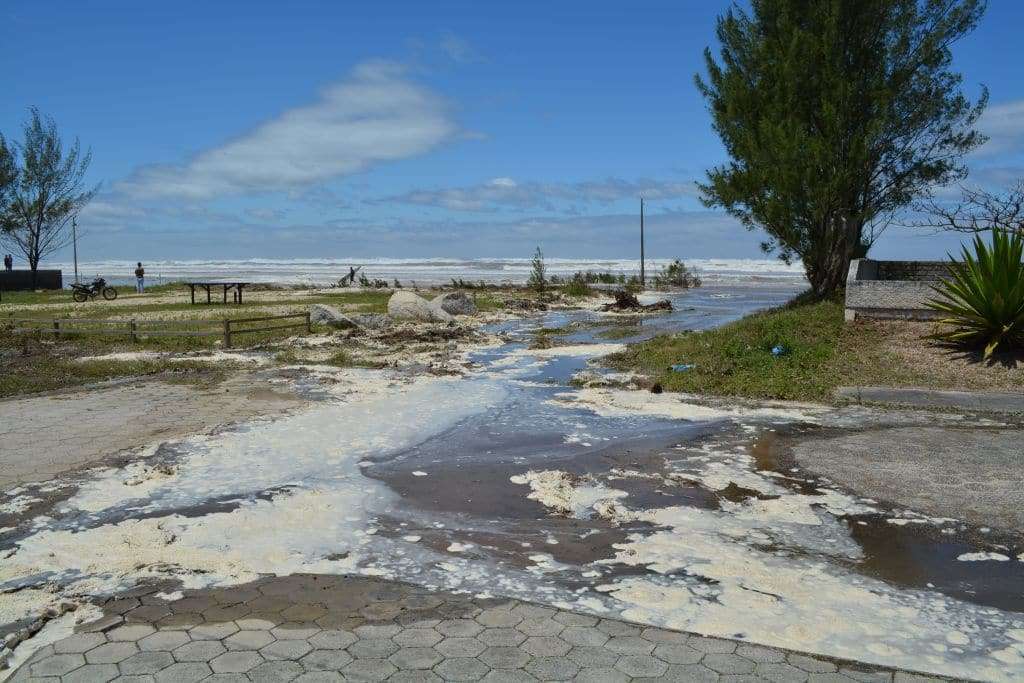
[627, 301]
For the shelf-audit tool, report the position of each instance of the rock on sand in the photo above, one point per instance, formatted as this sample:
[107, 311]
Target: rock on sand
[454, 303]
[332, 317]
[409, 306]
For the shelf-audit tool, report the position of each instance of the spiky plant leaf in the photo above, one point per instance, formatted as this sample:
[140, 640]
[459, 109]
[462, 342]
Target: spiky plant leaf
[983, 298]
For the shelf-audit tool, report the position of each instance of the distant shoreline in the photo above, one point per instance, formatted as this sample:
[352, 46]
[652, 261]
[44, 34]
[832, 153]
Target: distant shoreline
[323, 272]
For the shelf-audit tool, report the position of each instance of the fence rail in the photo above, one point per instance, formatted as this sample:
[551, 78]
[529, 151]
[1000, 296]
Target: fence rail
[227, 329]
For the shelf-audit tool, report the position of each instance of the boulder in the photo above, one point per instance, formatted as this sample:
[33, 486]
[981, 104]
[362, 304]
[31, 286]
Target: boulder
[330, 316]
[454, 303]
[372, 321]
[408, 306]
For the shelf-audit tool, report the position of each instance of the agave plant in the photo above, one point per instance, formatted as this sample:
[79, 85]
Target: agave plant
[983, 299]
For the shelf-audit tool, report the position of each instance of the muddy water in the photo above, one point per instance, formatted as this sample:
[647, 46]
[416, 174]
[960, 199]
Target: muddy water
[692, 518]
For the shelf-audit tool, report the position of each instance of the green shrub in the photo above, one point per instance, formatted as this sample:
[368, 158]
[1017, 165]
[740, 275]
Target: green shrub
[577, 286]
[676, 274]
[538, 272]
[983, 299]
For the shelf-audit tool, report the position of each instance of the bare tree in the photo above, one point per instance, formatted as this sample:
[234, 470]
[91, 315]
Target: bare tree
[977, 211]
[46, 191]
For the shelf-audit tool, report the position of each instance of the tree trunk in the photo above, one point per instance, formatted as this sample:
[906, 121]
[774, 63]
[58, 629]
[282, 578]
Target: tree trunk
[827, 265]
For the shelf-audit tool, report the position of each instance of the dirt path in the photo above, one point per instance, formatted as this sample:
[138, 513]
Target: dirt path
[44, 435]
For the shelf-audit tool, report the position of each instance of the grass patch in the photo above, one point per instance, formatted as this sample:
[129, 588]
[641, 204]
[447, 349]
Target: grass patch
[620, 332]
[822, 353]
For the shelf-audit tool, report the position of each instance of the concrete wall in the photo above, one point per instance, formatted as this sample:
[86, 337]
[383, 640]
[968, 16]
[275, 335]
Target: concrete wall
[22, 279]
[892, 289]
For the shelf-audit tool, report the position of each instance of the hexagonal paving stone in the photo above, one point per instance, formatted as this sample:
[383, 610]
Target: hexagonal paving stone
[552, 668]
[543, 626]
[381, 611]
[212, 631]
[219, 678]
[675, 653]
[417, 637]
[79, 643]
[147, 613]
[332, 640]
[546, 646]
[182, 621]
[163, 641]
[459, 628]
[255, 622]
[198, 651]
[462, 669]
[508, 676]
[460, 647]
[130, 632]
[618, 628]
[573, 619]
[691, 672]
[320, 677]
[248, 640]
[372, 648]
[294, 631]
[866, 676]
[584, 635]
[659, 635]
[533, 611]
[57, 665]
[601, 675]
[238, 661]
[369, 670]
[373, 631]
[303, 612]
[809, 664]
[597, 657]
[728, 663]
[286, 649]
[501, 637]
[711, 645]
[146, 663]
[504, 657]
[758, 653]
[183, 673]
[780, 672]
[276, 672]
[111, 653]
[415, 658]
[641, 666]
[415, 676]
[92, 673]
[325, 660]
[495, 617]
[630, 645]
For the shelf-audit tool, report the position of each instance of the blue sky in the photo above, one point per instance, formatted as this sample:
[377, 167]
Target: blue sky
[305, 129]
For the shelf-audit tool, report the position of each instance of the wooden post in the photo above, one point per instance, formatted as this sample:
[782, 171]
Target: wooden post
[643, 282]
[227, 334]
[56, 328]
[131, 330]
[309, 324]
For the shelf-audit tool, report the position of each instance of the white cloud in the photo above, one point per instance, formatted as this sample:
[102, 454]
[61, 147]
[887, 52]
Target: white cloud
[376, 115]
[507, 193]
[1004, 124]
[457, 49]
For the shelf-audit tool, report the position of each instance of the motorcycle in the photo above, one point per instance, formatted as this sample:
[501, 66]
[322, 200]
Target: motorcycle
[98, 287]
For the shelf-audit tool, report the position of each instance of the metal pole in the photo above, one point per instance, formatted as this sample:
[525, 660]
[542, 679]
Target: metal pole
[643, 279]
[74, 244]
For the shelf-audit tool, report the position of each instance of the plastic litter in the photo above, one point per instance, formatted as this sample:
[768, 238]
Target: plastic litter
[780, 350]
[682, 367]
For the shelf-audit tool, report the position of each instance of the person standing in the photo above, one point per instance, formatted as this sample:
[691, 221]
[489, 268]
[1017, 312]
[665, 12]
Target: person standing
[8, 263]
[140, 277]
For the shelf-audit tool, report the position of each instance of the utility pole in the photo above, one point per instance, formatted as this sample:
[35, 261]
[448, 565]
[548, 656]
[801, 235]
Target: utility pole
[643, 280]
[74, 244]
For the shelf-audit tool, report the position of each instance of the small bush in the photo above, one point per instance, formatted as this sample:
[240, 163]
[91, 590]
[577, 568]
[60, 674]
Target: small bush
[577, 286]
[983, 299]
[538, 272]
[676, 274]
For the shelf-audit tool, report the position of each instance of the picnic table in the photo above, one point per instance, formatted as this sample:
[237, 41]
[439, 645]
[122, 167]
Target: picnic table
[236, 296]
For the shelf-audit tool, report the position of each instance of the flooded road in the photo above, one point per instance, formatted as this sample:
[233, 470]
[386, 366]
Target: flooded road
[509, 481]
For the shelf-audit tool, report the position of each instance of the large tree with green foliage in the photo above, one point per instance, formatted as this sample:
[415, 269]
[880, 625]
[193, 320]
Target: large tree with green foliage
[836, 113]
[45, 189]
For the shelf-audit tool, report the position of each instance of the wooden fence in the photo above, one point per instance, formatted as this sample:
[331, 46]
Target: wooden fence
[227, 329]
